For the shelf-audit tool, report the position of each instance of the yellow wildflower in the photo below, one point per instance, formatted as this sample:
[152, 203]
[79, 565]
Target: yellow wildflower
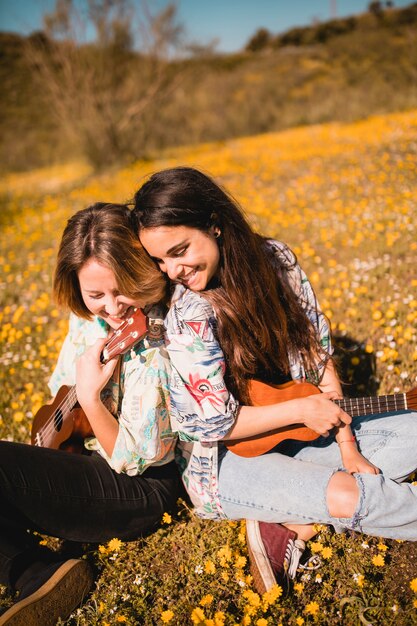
[252, 597]
[197, 616]
[272, 595]
[327, 552]
[413, 585]
[209, 567]
[240, 562]
[224, 554]
[378, 560]
[262, 622]
[121, 619]
[206, 600]
[114, 545]
[219, 618]
[298, 587]
[299, 621]
[316, 546]
[166, 518]
[312, 608]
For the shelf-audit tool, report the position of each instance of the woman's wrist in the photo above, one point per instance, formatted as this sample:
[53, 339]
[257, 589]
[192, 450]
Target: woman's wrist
[348, 440]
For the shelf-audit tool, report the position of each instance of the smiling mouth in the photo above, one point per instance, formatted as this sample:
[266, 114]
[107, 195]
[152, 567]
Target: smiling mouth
[189, 277]
[121, 318]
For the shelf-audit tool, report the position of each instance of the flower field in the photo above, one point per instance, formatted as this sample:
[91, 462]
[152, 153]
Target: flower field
[344, 197]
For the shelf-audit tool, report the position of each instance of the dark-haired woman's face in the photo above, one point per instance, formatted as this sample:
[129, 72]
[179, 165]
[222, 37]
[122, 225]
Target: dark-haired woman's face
[189, 256]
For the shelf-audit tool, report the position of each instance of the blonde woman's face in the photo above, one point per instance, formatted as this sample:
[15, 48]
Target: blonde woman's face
[188, 255]
[101, 294]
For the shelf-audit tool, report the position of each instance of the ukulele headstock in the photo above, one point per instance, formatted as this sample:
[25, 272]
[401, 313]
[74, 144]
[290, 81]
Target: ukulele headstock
[129, 333]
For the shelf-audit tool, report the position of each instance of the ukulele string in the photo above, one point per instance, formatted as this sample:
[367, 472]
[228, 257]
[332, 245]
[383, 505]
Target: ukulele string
[65, 405]
[68, 402]
[369, 405]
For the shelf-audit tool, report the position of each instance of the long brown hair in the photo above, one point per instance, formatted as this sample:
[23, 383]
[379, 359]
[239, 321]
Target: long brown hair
[105, 232]
[259, 317]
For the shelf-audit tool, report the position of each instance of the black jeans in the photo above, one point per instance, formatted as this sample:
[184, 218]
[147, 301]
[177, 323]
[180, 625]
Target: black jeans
[74, 497]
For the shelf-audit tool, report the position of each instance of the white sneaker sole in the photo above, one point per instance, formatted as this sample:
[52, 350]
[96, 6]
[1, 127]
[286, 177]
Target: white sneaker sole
[260, 566]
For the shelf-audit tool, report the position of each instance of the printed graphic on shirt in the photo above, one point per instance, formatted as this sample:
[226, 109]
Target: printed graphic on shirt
[198, 327]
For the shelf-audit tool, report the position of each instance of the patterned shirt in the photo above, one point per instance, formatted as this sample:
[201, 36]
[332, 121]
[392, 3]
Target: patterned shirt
[202, 409]
[139, 400]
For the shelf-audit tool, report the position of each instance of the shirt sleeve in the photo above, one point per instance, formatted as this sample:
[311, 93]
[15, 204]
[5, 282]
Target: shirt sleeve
[145, 436]
[81, 334]
[202, 407]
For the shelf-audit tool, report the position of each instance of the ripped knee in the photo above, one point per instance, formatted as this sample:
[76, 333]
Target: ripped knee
[342, 495]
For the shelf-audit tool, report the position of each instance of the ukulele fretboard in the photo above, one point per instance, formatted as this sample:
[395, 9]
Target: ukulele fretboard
[373, 405]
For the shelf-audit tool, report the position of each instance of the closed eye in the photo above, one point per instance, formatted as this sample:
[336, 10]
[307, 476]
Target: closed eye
[180, 252]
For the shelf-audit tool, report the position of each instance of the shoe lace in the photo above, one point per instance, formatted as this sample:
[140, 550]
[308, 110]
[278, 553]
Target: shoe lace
[314, 562]
[292, 557]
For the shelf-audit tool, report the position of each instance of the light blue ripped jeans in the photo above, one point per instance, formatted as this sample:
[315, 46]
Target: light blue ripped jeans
[289, 484]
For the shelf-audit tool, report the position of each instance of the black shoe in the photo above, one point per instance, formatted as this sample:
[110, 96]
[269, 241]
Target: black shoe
[62, 591]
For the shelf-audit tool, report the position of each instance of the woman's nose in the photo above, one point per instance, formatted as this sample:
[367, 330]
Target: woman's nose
[113, 306]
[172, 268]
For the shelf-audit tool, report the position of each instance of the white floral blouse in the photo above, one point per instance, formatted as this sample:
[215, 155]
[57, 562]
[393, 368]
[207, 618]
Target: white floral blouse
[139, 400]
[202, 409]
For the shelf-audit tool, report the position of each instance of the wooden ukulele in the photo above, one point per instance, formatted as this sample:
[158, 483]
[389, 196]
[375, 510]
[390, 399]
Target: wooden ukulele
[262, 394]
[63, 424]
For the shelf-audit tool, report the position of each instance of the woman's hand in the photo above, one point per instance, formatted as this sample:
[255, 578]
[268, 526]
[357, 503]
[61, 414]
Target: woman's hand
[319, 413]
[353, 461]
[91, 375]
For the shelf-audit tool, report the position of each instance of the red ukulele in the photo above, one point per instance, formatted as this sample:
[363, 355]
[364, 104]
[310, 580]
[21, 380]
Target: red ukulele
[63, 424]
[262, 394]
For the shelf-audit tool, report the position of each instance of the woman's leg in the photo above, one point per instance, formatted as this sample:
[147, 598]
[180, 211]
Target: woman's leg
[74, 497]
[388, 440]
[300, 492]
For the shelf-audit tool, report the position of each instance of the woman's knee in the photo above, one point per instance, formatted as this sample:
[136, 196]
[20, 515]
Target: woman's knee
[342, 495]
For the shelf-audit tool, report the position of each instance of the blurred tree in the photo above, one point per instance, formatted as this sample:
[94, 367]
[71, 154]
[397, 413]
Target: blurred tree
[376, 8]
[260, 40]
[105, 90]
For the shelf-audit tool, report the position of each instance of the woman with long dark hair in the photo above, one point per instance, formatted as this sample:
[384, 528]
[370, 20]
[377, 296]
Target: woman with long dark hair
[243, 310]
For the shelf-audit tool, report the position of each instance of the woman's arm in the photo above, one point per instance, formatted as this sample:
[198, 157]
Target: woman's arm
[91, 378]
[352, 459]
[203, 408]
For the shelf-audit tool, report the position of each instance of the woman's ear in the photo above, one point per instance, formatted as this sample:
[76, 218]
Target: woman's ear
[215, 231]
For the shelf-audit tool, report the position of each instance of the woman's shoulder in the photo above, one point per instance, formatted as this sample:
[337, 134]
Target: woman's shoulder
[282, 252]
[188, 303]
[82, 331]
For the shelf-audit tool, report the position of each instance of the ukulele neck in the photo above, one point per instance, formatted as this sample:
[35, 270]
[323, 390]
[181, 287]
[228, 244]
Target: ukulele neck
[373, 405]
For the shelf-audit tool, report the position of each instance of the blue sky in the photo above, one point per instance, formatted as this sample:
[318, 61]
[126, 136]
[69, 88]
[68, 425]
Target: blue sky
[232, 22]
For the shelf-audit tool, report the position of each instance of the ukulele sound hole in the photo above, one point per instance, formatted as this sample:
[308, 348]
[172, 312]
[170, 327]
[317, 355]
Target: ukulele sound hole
[58, 420]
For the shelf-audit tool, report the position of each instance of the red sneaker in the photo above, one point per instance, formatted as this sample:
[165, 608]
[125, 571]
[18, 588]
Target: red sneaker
[274, 554]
